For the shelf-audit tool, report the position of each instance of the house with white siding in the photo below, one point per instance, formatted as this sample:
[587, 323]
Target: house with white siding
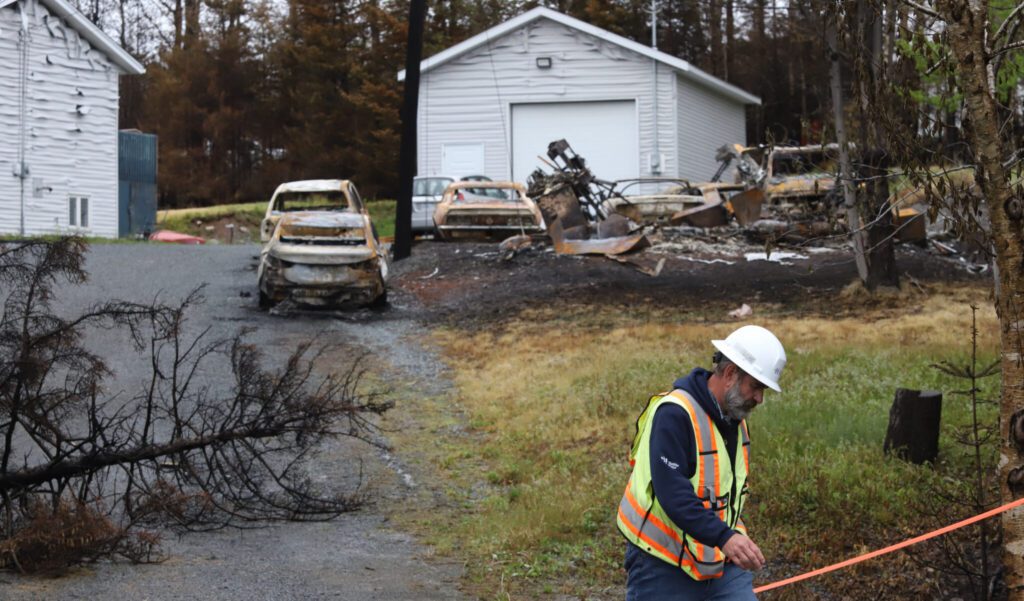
[58, 120]
[491, 104]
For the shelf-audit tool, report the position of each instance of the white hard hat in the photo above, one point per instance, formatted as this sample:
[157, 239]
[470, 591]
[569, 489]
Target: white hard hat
[756, 351]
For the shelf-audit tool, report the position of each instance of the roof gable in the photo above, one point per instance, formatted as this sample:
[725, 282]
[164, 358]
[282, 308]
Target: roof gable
[90, 32]
[683, 67]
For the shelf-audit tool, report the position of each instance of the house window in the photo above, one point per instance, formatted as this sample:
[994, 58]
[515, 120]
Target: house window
[78, 211]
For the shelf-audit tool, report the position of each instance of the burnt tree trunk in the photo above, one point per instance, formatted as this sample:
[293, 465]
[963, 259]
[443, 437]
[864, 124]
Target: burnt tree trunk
[715, 31]
[872, 197]
[913, 433]
[881, 235]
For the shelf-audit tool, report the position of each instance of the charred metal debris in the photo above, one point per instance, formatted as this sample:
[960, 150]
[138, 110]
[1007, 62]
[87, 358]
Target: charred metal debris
[779, 197]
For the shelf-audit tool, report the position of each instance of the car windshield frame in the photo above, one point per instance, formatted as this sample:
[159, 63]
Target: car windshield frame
[484, 193]
[804, 163]
[336, 200]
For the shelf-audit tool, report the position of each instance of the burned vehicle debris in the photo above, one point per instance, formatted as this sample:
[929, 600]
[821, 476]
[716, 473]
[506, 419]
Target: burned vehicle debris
[491, 210]
[792, 199]
[785, 174]
[674, 199]
[320, 248]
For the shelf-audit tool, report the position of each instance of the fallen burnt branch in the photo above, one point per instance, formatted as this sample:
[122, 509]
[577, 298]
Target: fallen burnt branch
[188, 451]
[251, 427]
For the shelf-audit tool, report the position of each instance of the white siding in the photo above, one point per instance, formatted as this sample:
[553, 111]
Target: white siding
[707, 120]
[468, 99]
[69, 152]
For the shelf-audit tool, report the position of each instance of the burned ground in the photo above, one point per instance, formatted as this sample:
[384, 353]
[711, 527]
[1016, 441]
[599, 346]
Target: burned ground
[467, 283]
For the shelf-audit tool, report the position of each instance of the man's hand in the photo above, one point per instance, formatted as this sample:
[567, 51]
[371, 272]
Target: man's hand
[743, 552]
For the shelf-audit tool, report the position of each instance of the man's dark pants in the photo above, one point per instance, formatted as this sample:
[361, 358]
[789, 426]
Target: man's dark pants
[651, 579]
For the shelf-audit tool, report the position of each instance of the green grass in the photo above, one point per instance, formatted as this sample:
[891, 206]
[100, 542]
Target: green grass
[193, 220]
[552, 406]
[382, 212]
[256, 209]
[249, 214]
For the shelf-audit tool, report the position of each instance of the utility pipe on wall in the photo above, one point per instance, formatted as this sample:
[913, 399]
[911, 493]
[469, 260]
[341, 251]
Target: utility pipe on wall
[656, 155]
[23, 62]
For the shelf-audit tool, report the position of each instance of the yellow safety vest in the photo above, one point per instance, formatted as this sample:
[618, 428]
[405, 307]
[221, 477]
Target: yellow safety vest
[719, 484]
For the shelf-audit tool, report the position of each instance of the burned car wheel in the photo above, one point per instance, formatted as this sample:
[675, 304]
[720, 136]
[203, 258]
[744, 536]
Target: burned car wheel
[380, 302]
[265, 302]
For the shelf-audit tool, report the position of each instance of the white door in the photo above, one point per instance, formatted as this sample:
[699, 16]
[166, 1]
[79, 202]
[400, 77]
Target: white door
[460, 160]
[604, 133]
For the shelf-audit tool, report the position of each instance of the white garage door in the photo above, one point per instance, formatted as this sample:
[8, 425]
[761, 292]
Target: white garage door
[604, 133]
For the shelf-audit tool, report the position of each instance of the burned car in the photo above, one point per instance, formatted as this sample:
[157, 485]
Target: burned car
[785, 173]
[703, 204]
[486, 209]
[320, 247]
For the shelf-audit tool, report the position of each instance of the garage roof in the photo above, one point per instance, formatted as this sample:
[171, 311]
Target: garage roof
[541, 12]
[90, 32]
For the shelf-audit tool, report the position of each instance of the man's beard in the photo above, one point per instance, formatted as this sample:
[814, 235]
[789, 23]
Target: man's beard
[737, 407]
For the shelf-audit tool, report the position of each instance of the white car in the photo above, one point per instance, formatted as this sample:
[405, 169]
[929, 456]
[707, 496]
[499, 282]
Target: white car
[426, 195]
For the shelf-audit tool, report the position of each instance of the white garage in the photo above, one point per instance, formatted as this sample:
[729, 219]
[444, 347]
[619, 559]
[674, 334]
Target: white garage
[604, 132]
[491, 104]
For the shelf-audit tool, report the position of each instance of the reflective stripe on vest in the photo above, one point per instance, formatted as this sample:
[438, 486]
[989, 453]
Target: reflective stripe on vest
[643, 521]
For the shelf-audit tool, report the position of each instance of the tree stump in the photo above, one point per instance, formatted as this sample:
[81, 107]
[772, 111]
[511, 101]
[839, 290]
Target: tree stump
[913, 432]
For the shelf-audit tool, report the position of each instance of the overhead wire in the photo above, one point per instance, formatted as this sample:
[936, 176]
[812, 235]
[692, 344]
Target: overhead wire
[501, 106]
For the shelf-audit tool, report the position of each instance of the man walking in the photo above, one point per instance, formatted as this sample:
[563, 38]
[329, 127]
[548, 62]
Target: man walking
[681, 509]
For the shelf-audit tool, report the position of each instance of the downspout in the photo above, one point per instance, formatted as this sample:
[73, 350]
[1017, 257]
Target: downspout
[22, 168]
[655, 163]
[23, 111]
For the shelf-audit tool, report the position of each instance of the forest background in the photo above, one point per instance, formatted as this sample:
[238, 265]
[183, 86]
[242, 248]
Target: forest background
[244, 94]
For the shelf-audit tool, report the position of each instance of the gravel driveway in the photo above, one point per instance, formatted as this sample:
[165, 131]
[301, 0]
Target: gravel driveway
[355, 557]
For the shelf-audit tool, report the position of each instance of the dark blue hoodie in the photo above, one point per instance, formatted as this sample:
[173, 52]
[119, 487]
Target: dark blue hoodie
[674, 461]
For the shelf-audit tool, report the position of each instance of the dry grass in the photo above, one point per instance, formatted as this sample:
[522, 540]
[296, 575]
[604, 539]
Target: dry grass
[168, 215]
[50, 539]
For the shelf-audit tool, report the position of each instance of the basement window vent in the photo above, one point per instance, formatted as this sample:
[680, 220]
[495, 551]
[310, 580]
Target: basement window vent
[78, 211]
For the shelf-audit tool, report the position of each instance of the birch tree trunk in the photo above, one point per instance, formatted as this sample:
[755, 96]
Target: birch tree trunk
[845, 166]
[968, 23]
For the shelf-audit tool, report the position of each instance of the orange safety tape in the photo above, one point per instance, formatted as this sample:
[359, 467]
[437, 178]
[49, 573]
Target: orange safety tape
[890, 549]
